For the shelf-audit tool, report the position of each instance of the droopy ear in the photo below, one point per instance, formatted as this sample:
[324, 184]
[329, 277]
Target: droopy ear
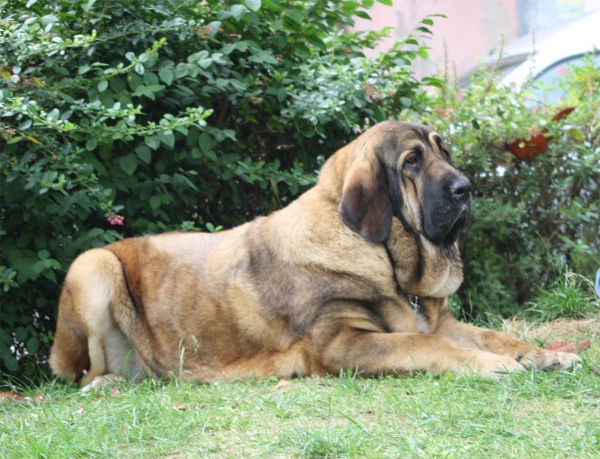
[365, 206]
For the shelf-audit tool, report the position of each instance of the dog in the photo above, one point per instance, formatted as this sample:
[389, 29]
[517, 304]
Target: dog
[320, 286]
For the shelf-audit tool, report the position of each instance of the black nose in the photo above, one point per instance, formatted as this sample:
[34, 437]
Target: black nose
[461, 188]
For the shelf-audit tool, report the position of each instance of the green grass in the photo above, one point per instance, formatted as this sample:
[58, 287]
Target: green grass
[571, 295]
[528, 415]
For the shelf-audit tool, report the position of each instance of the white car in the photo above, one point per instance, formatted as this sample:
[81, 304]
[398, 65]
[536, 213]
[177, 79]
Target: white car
[553, 53]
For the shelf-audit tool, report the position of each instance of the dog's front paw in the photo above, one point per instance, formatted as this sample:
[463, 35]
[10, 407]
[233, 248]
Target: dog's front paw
[544, 359]
[490, 366]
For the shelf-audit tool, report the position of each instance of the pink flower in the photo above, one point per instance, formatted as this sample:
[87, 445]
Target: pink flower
[279, 58]
[460, 95]
[239, 35]
[535, 130]
[562, 70]
[260, 83]
[115, 219]
[444, 111]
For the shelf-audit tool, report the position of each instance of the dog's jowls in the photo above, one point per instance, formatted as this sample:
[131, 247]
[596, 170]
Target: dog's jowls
[319, 286]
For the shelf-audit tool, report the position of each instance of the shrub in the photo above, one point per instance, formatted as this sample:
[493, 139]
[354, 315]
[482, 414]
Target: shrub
[534, 219]
[133, 117]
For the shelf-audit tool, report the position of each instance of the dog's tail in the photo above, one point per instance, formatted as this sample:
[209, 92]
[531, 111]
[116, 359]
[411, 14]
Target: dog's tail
[84, 316]
[69, 358]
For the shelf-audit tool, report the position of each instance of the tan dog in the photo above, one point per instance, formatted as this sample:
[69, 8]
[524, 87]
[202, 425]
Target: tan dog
[317, 287]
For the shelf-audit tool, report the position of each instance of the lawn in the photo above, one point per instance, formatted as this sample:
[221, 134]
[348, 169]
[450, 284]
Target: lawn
[532, 414]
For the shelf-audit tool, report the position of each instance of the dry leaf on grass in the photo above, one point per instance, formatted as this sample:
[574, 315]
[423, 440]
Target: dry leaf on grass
[563, 346]
[41, 398]
[100, 382]
[10, 396]
[282, 383]
[185, 406]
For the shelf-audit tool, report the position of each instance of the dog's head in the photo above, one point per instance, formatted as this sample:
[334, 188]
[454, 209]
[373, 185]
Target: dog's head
[404, 170]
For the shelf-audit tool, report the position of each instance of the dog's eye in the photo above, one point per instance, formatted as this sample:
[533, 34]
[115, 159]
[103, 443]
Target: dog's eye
[411, 160]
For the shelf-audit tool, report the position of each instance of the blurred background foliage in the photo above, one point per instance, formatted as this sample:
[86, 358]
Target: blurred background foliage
[535, 220]
[135, 117]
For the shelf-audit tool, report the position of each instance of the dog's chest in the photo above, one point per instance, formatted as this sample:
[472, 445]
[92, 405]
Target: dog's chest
[421, 317]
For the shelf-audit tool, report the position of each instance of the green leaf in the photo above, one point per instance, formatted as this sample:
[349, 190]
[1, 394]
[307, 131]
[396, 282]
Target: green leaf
[254, 5]
[204, 63]
[88, 5]
[214, 26]
[118, 85]
[91, 144]
[405, 101]
[296, 15]
[155, 202]
[167, 137]
[21, 334]
[43, 254]
[95, 232]
[386, 2]
[150, 79]
[181, 70]
[129, 164]
[48, 274]
[152, 141]
[166, 75]
[144, 153]
[238, 11]
[32, 345]
[102, 85]
[25, 125]
[49, 19]
[205, 142]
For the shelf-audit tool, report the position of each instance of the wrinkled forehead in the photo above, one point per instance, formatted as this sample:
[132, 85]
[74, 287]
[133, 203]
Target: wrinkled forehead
[406, 137]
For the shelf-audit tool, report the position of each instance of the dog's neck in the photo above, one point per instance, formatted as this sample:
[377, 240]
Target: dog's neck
[421, 267]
